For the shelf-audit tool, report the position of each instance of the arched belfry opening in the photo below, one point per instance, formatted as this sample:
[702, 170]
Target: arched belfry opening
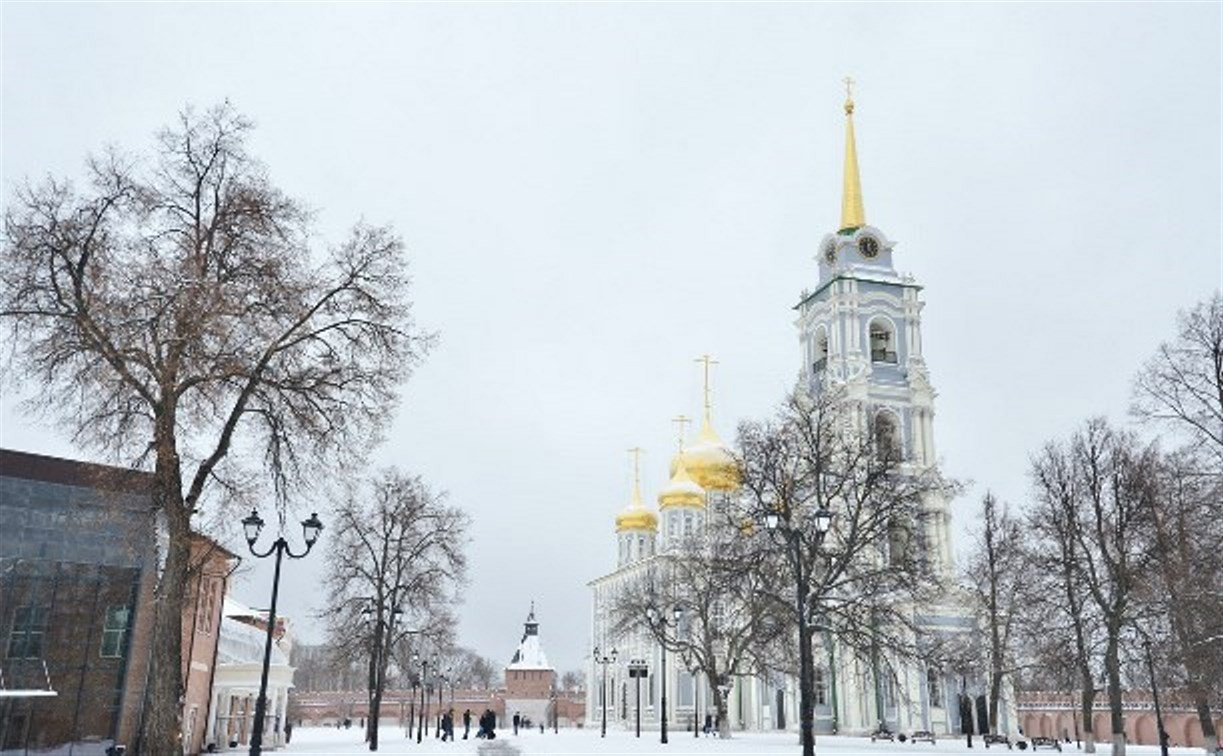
[883, 341]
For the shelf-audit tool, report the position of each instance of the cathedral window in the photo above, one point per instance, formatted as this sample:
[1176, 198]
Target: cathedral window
[934, 687]
[883, 341]
[821, 687]
[887, 437]
[888, 691]
[821, 351]
[685, 688]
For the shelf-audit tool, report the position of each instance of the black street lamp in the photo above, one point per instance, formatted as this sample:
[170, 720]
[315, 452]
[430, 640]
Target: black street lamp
[441, 688]
[656, 616]
[424, 671]
[252, 526]
[637, 669]
[604, 659]
[775, 522]
[412, 711]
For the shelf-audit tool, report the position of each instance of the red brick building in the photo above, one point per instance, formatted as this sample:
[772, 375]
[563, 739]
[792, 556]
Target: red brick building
[77, 572]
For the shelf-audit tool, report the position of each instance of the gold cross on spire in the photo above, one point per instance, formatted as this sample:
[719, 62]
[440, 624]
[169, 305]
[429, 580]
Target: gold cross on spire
[636, 452]
[681, 421]
[849, 95]
[708, 361]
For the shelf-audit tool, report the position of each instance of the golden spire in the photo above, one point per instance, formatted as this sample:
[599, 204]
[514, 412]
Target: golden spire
[636, 452]
[635, 516]
[707, 421]
[853, 215]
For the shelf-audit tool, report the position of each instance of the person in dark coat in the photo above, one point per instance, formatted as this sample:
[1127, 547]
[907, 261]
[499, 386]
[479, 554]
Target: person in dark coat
[466, 723]
[517, 719]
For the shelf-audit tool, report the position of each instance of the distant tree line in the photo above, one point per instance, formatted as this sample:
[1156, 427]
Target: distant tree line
[1113, 568]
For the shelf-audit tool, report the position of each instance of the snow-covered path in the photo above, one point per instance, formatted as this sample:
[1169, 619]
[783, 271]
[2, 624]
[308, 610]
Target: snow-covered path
[343, 742]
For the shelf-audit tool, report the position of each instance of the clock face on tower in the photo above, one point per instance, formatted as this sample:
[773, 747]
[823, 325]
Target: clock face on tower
[830, 252]
[869, 246]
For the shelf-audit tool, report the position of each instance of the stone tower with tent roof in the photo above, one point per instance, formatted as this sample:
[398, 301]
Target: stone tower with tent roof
[530, 681]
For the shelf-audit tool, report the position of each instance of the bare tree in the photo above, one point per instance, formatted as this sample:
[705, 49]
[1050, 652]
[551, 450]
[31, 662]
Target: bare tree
[1181, 387]
[1182, 591]
[574, 679]
[864, 577]
[471, 670]
[172, 312]
[1060, 606]
[724, 621]
[996, 576]
[394, 566]
[1114, 491]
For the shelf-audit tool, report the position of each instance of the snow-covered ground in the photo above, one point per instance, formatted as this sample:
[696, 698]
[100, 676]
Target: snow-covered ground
[321, 740]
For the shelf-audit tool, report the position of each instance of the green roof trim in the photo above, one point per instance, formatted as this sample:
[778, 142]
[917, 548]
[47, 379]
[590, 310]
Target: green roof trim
[818, 291]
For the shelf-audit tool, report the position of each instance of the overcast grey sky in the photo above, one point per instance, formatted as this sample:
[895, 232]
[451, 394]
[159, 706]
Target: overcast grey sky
[595, 194]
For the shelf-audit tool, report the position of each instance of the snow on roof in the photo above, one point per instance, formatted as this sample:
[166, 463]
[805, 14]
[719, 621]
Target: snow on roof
[530, 655]
[241, 643]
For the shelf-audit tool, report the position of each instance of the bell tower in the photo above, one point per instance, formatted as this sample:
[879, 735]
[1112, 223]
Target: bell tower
[860, 331]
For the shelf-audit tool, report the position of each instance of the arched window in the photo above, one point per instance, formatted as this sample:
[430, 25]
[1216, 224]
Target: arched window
[883, 341]
[934, 687]
[821, 351]
[887, 437]
[821, 687]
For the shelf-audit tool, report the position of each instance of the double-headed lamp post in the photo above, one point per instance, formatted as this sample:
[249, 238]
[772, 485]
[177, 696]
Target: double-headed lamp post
[774, 522]
[604, 660]
[656, 616]
[252, 526]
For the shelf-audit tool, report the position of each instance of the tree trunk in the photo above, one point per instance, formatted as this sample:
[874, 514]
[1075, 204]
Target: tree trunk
[1210, 738]
[1089, 697]
[995, 690]
[806, 666]
[162, 719]
[371, 727]
[1112, 665]
[369, 698]
[721, 706]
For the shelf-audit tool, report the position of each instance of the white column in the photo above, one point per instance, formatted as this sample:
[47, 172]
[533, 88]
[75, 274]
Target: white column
[284, 710]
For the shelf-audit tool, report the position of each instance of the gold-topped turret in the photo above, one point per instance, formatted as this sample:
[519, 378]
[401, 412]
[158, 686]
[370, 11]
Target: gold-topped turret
[709, 462]
[635, 516]
[853, 215]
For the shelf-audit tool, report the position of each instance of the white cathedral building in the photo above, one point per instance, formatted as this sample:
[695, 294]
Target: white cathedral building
[859, 330]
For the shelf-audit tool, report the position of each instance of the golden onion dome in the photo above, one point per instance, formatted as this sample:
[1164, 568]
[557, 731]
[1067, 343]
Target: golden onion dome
[682, 490]
[635, 516]
[709, 461]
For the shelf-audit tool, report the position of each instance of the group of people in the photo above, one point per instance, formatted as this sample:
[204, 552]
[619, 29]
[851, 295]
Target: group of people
[488, 724]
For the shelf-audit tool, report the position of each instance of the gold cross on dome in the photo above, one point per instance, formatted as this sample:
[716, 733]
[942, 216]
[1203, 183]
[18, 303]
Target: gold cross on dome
[708, 361]
[681, 421]
[849, 87]
[636, 452]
